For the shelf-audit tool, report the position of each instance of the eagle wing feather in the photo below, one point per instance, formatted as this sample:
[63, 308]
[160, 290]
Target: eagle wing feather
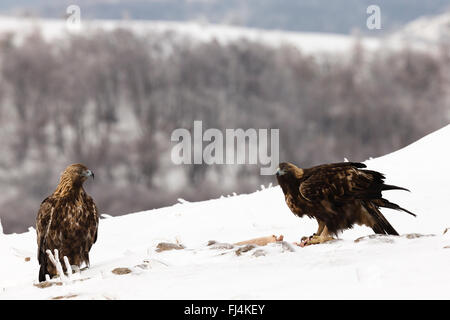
[340, 183]
[43, 222]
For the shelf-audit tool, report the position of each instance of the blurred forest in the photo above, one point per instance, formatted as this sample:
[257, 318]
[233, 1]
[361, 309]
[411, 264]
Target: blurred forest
[111, 99]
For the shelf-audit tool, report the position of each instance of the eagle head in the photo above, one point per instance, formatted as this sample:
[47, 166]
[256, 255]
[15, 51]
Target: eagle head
[287, 169]
[76, 174]
[72, 179]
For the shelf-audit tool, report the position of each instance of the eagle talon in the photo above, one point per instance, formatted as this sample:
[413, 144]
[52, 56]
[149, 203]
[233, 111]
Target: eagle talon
[305, 238]
[307, 242]
[304, 241]
[319, 239]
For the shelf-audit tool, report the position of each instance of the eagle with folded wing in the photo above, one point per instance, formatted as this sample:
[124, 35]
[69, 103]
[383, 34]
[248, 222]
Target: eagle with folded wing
[337, 195]
[67, 221]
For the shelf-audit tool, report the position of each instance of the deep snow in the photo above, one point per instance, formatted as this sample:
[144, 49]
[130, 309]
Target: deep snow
[411, 266]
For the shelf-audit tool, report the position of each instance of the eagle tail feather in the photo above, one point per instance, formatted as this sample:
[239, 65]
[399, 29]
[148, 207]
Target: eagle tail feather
[381, 226]
[42, 271]
[386, 228]
[43, 259]
[387, 204]
[391, 187]
[379, 229]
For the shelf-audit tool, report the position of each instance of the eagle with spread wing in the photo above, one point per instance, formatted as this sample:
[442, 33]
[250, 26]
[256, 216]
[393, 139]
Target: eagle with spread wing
[67, 221]
[337, 195]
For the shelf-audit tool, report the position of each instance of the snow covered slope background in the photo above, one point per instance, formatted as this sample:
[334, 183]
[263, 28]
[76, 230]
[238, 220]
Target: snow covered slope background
[308, 42]
[411, 266]
[424, 33]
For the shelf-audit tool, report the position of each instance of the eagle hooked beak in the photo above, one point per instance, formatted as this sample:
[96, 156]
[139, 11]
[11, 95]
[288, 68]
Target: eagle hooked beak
[88, 173]
[280, 172]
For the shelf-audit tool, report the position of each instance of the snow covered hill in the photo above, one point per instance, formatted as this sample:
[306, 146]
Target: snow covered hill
[421, 34]
[425, 31]
[413, 265]
[308, 42]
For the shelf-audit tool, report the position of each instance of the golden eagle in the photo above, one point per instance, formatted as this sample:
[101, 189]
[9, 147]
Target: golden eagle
[337, 195]
[68, 221]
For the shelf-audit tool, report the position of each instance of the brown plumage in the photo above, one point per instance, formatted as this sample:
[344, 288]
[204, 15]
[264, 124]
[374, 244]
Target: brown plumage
[337, 195]
[68, 221]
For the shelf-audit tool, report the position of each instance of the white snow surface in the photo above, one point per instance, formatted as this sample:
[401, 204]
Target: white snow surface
[380, 267]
